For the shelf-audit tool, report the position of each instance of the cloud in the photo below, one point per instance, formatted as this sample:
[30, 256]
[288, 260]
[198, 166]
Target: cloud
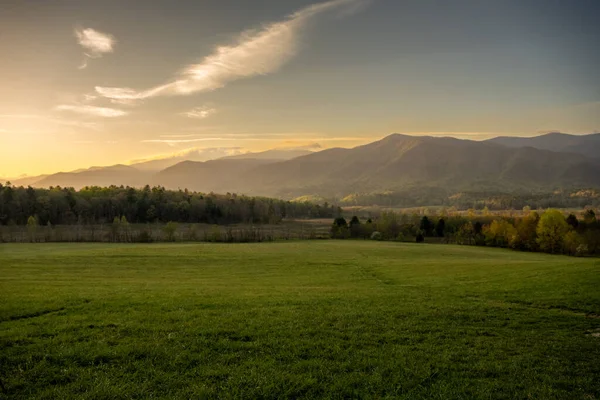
[194, 154]
[175, 142]
[293, 145]
[92, 110]
[255, 53]
[95, 43]
[200, 112]
[51, 120]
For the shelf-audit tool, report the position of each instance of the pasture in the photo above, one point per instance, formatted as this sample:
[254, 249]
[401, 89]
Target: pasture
[306, 319]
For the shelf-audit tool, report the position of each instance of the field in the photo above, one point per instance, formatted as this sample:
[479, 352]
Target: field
[306, 319]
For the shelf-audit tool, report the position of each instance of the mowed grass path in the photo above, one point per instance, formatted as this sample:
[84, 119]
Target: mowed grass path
[322, 319]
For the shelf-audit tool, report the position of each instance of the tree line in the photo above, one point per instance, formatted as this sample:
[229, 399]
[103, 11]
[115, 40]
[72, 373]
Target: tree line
[98, 205]
[550, 231]
[475, 199]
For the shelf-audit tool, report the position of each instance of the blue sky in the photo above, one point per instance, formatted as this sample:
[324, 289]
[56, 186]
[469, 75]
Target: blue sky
[97, 83]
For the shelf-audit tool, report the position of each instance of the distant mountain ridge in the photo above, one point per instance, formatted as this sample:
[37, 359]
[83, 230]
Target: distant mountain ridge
[587, 145]
[392, 163]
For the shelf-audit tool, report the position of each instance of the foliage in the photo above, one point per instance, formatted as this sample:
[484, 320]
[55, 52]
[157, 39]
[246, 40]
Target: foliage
[551, 231]
[93, 205]
[376, 236]
[500, 233]
[169, 230]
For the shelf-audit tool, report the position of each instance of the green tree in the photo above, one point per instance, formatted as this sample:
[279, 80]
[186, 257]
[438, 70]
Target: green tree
[339, 228]
[551, 231]
[589, 217]
[440, 227]
[572, 220]
[526, 238]
[426, 226]
[500, 233]
[169, 230]
[32, 225]
[572, 243]
[355, 227]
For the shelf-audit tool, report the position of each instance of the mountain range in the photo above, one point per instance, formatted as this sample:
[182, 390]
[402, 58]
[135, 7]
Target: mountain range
[396, 162]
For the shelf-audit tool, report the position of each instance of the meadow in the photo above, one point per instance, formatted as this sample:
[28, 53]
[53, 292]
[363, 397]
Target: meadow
[296, 319]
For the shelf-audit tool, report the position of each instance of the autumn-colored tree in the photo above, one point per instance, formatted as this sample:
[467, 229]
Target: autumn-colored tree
[500, 233]
[551, 231]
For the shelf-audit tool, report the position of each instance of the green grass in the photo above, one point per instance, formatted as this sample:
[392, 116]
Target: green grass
[326, 319]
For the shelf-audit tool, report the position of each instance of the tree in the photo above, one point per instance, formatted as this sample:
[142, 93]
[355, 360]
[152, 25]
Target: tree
[355, 227]
[572, 220]
[426, 226]
[169, 229]
[32, 225]
[339, 228]
[572, 243]
[551, 231]
[465, 234]
[500, 233]
[440, 227]
[420, 238]
[526, 238]
[589, 217]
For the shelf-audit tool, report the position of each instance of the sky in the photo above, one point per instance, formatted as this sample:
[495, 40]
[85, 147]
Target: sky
[86, 83]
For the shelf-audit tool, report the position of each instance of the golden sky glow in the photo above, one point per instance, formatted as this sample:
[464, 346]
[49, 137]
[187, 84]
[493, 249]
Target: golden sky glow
[84, 86]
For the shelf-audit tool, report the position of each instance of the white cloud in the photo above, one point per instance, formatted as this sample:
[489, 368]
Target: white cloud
[95, 43]
[200, 112]
[255, 53]
[92, 110]
[175, 142]
[192, 154]
[52, 121]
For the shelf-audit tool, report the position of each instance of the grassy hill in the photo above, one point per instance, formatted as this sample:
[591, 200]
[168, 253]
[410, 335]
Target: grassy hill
[321, 319]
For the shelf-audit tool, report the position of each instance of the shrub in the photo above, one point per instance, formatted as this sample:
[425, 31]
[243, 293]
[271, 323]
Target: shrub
[169, 229]
[144, 237]
[582, 250]
[376, 236]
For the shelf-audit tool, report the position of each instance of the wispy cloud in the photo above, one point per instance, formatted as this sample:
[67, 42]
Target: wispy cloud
[200, 112]
[175, 142]
[92, 110]
[95, 43]
[194, 154]
[52, 120]
[255, 53]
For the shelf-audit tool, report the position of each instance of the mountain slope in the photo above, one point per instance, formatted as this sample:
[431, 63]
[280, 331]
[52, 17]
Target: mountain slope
[399, 161]
[208, 176]
[97, 176]
[396, 162]
[587, 145]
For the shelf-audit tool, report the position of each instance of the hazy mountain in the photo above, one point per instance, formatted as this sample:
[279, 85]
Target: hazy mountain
[396, 162]
[399, 161]
[97, 176]
[588, 145]
[159, 163]
[215, 175]
[27, 180]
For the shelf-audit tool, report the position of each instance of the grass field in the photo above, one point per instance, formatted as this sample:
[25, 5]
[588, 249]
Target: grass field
[309, 319]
